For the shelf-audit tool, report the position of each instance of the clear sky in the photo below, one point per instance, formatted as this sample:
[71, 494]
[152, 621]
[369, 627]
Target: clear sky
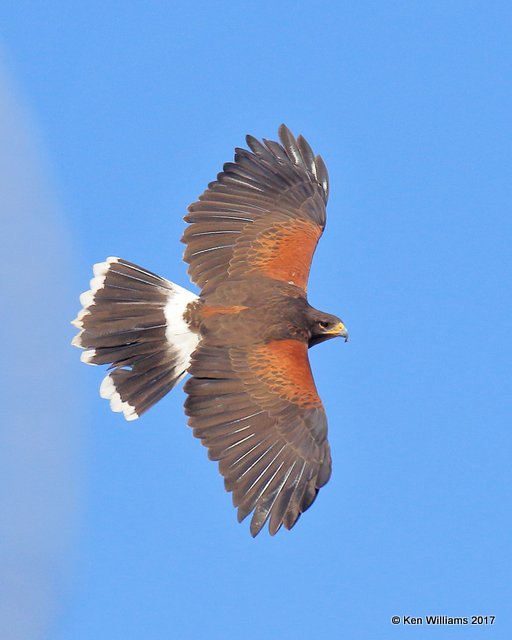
[116, 116]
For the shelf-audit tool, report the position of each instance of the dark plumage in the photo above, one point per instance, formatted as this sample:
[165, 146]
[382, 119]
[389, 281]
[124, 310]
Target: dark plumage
[251, 399]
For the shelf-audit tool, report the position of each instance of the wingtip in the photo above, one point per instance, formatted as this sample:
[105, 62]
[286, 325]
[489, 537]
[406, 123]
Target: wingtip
[283, 130]
[255, 528]
[285, 135]
[322, 175]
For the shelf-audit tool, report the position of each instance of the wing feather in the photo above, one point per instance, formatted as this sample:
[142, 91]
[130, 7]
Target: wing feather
[257, 411]
[269, 183]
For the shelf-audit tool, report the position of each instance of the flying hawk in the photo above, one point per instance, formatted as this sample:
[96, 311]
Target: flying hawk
[244, 340]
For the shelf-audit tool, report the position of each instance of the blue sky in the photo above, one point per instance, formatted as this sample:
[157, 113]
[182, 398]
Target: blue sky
[116, 116]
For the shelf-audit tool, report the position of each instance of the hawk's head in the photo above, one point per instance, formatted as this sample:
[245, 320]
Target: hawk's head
[323, 326]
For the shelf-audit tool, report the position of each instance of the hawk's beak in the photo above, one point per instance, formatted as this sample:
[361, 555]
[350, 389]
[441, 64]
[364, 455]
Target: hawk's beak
[339, 330]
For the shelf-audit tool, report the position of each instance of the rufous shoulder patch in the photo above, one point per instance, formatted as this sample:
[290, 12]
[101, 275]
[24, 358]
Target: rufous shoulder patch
[285, 250]
[210, 310]
[283, 365]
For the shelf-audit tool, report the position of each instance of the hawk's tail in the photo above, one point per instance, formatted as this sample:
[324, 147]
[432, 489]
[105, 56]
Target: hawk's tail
[133, 320]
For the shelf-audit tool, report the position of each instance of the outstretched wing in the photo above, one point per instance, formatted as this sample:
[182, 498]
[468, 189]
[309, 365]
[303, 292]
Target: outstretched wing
[262, 216]
[258, 412]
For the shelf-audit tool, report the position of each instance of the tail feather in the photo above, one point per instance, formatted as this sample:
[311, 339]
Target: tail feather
[133, 320]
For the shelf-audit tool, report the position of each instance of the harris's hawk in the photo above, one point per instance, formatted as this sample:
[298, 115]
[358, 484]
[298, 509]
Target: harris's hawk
[244, 340]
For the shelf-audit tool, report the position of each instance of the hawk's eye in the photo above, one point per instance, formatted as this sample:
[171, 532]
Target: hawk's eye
[323, 325]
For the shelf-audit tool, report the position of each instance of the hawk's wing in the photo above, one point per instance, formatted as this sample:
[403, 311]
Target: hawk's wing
[263, 215]
[258, 412]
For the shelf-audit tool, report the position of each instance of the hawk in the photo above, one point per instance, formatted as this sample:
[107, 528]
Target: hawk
[244, 340]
